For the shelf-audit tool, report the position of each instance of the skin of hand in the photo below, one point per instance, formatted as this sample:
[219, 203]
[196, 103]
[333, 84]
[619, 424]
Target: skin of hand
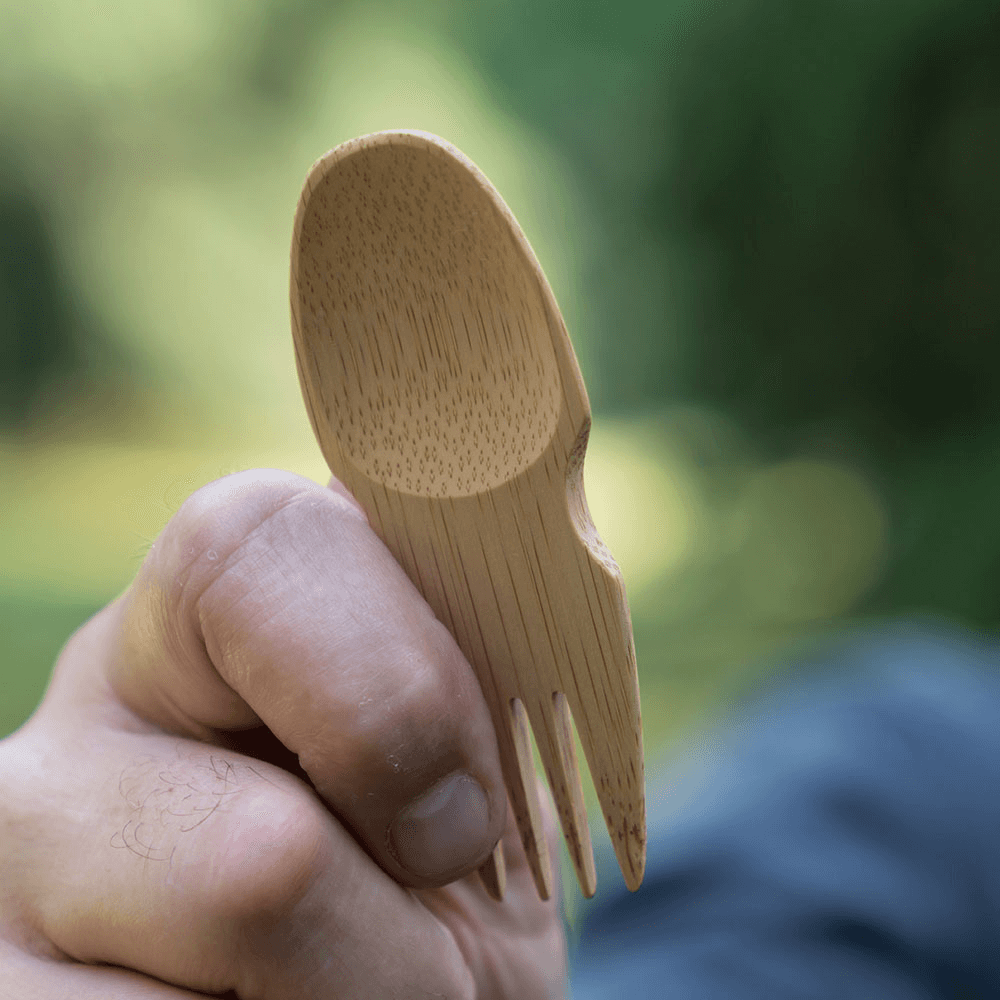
[265, 771]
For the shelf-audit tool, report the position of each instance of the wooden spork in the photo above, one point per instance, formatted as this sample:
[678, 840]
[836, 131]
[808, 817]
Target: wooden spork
[444, 392]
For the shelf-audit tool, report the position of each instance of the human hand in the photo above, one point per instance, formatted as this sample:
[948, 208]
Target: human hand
[257, 773]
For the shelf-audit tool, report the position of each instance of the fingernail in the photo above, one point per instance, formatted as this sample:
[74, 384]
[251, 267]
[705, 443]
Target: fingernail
[445, 830]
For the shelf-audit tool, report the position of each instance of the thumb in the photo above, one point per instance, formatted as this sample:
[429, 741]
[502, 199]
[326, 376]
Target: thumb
[268, 599]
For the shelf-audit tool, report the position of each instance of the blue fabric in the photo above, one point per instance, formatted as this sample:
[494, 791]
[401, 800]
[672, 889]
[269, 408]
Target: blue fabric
[840, 840]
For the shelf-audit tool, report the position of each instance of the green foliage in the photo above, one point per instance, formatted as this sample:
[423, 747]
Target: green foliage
[821, 181]
[53, 352]
[800, 214]
[37, 342]
[35, 627]
[837, 166]
[794, 216]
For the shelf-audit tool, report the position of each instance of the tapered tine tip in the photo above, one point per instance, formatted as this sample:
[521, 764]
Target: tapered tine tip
[553, 728]
[616, 764]
[523, 791]
[634, 870]
[493, 873]
[629, 841]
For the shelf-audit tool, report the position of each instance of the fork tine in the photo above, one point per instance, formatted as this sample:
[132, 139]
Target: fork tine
[623, 811]
[524, 798]
[493, 873]
[610, 731]
[553, 730]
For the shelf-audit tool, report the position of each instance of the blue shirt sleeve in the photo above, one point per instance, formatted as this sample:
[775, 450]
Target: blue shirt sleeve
[838, 842]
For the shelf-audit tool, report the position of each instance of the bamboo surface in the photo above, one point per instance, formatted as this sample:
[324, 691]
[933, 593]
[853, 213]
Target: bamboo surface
[444, 392]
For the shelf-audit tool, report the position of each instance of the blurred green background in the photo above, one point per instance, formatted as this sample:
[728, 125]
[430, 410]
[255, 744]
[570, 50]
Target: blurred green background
[772, 228]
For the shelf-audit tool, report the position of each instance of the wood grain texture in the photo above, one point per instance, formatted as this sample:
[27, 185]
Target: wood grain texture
[444, 392]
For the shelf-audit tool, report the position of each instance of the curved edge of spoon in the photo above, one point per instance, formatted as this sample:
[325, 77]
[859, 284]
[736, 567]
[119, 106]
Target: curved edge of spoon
[574, 390]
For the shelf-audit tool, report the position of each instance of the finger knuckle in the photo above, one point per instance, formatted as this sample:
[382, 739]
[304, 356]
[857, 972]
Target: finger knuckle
[413, 712]
[218, 519]
[237, 531]
[435, 679]
[270, 856]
